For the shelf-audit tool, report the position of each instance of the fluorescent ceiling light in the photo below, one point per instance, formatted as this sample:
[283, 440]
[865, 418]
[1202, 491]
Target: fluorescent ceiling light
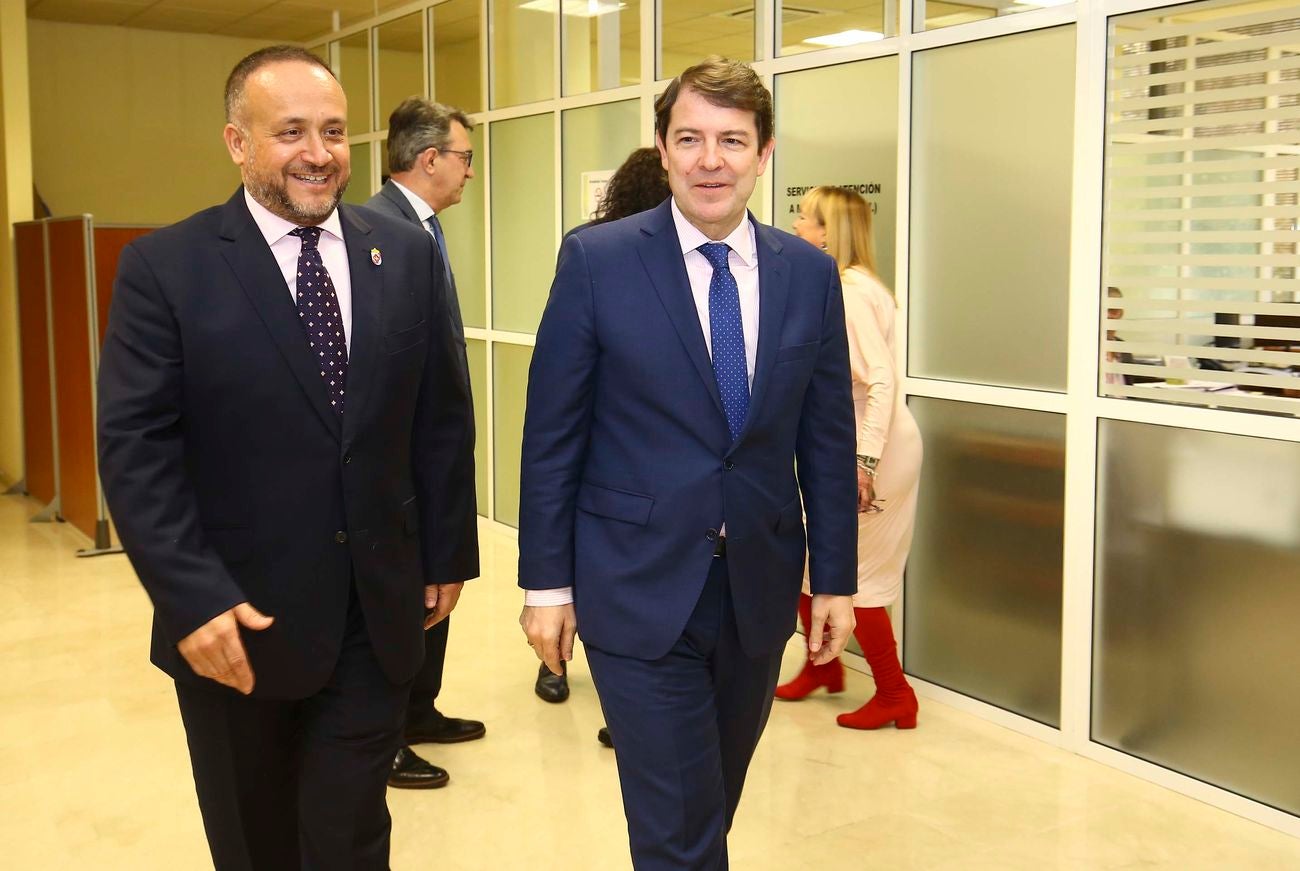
[1042, 3]
[577, 8]
[846, 37]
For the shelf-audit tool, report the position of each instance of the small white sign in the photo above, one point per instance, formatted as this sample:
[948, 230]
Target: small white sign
[593, 190]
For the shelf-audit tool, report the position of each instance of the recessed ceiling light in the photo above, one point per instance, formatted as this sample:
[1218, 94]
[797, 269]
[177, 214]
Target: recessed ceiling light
[576, 8]
[845, 37]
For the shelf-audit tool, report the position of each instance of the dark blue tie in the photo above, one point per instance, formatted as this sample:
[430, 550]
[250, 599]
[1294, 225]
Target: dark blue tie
[728, 337]
[435, 227]
[318, 312]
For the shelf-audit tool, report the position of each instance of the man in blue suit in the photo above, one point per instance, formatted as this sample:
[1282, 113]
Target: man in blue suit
[687, 358]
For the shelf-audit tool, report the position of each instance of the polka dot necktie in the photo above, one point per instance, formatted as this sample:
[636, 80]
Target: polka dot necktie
[728, 337]
[318, 311]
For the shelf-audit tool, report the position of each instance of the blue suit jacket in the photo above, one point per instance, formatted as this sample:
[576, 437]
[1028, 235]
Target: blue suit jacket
[628, 466]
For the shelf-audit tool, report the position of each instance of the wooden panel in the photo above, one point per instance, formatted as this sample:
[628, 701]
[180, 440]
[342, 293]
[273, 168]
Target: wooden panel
[109, 242]
[78, 490]
[34, 356]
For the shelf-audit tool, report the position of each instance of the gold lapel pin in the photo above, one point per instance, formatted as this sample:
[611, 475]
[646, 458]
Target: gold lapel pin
[375, 257]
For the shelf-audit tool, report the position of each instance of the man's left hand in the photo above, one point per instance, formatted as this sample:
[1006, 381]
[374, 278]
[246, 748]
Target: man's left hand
[832, 625]
[439, 600]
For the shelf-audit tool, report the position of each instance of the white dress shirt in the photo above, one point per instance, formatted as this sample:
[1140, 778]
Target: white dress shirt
[423, 210]
[743, 261]
[286, 248]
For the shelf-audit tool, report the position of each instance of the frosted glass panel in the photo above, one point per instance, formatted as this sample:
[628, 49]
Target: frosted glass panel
[933, 14]
[510, 383]
[858, 24]
[821, 144]
[477, 349]
[990, 231]
[1198, 585]
[523, 221]
[983, 606]
[457, 35]
[596, 139]
[359, 184]
[464, 227]
[602, 50]
[523, 52]
[354, 75]
[399, 47]
[690, 31]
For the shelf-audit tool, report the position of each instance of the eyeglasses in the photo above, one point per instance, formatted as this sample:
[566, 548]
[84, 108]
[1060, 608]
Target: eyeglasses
[467, 156]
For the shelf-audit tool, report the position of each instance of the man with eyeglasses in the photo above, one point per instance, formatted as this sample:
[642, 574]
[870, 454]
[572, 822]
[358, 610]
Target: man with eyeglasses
[430, 162]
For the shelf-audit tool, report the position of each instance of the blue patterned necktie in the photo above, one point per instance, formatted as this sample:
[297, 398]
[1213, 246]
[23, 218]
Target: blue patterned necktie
[318, 312]
[728, 337]
[435, 227]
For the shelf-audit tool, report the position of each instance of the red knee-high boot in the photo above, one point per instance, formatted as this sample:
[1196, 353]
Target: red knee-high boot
[894, 701]
[830, 675]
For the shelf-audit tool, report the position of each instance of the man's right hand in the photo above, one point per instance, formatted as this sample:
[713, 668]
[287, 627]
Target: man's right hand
[550, 630]
[215, 650]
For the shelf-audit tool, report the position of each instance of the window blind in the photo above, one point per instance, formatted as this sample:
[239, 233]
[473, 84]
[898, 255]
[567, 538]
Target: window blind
[1202, 204]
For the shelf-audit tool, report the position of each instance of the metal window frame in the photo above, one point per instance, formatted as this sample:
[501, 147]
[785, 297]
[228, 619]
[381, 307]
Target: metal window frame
[1083, 408]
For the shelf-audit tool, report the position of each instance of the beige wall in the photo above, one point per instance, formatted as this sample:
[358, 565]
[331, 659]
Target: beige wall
[126, 124]
[15, 205]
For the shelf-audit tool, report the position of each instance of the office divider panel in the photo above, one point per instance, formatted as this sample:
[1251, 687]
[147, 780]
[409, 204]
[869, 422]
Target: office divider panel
[70, 295]
[108, 244]
[39, 471]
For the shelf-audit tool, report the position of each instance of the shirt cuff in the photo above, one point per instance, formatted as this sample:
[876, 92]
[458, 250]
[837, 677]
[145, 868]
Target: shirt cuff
[543, 598]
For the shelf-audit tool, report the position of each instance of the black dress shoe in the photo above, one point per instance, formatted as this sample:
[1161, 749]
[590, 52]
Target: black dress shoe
[551, 687]
[431, 727]
[605, 738]
[411, 772]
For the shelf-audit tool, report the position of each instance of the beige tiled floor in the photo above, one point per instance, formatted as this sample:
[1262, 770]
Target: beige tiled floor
[94, 774]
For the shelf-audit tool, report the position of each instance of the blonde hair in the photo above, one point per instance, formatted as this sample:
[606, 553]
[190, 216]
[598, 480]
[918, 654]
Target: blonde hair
[847, 219]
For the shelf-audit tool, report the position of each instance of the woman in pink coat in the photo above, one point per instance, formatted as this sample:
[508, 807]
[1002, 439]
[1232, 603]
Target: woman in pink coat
[889, 462]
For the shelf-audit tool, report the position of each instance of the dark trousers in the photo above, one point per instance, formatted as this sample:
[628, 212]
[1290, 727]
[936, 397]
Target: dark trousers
[301, 783]
[428, 681]
[685, 728]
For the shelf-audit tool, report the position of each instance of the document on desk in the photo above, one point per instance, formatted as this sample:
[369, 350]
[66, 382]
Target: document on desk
[1269, 370]
[1196, 386]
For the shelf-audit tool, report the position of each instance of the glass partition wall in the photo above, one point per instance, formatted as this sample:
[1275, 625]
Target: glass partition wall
[1088, 215]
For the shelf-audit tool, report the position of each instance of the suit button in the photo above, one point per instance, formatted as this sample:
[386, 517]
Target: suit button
[347, 458]
[728, 465]
[341, 537]
[711, 535]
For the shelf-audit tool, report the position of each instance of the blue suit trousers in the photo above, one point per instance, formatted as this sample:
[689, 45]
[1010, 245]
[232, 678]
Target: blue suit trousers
[685, 727]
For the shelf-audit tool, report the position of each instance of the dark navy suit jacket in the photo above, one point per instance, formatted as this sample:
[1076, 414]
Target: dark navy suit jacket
[390, 201]
[629, 470]
[231, 478]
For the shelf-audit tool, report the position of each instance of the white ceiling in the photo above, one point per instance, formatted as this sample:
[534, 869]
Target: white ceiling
[288, 20]
[692, 27]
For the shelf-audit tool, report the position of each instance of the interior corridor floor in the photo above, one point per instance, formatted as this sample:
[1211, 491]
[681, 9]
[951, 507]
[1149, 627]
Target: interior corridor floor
[94, 772]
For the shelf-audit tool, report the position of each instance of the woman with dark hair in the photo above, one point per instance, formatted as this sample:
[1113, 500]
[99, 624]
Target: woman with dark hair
[639, 184]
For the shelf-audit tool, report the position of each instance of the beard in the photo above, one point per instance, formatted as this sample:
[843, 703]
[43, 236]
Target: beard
[271, 191]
